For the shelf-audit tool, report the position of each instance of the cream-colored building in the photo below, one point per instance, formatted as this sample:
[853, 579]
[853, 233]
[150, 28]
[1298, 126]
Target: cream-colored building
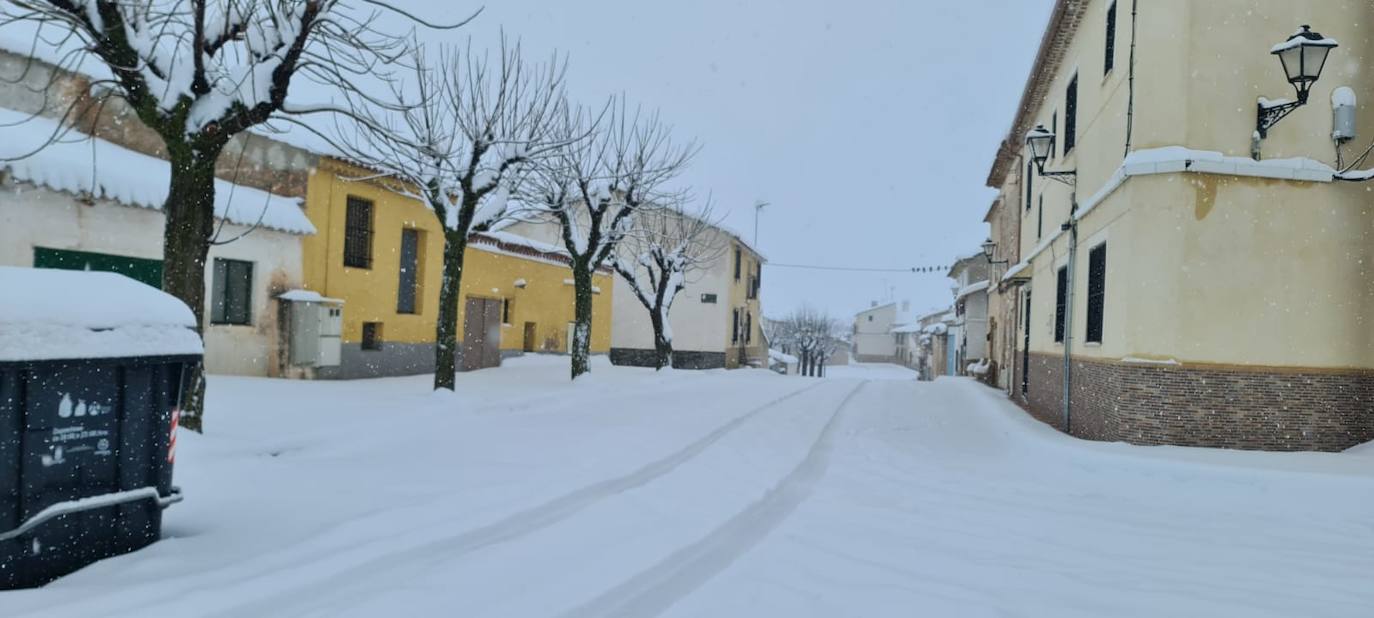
[1182, 292]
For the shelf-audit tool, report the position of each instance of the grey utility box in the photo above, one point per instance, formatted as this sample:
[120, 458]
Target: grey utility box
[316, 328]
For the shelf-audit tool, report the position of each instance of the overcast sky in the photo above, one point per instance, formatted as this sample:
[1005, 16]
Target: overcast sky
[869, 125]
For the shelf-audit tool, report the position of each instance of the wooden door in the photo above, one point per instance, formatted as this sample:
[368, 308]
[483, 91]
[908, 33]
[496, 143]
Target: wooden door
[491, 341]
[530, 334]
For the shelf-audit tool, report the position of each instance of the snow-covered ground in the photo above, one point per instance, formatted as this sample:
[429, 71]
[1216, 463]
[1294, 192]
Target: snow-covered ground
[717, 494]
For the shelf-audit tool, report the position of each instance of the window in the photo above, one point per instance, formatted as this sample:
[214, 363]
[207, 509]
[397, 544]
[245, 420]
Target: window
[1040, 220]
[358, 233]
[1097, 291]
[409, 280]
[506, 310]
[737, 263]
[1070, 115]
[709, 299]
[1061, 292]
[231, 294]
[1030, 175]
[1054, 128]
[372, 336]
[734, 329]
[1109, 60]
[748, 327]
[870, 318]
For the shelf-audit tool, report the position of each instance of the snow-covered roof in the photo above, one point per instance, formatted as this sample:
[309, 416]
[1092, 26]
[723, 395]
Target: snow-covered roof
[81, 164]
[972, 288]
[936, 329]
[48, 314]
[306, 296]
[907, 328]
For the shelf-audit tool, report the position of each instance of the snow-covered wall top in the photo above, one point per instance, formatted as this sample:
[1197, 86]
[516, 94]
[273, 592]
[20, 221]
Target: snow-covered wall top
[78, 163]
[66, 314]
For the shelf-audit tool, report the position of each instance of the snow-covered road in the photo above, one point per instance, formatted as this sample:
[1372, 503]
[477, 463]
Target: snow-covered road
[718, 494]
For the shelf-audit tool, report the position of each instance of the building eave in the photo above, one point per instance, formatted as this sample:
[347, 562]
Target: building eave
[1063, 25]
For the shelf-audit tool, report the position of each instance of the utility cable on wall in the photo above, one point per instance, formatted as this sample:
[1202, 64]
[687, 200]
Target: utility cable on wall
[914, 269]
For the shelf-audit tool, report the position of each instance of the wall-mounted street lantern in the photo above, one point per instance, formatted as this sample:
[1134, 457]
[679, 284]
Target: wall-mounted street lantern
[989, 250]
[1303, 57]
[1040, 142]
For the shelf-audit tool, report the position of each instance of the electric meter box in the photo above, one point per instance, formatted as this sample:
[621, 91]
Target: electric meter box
[316, 328]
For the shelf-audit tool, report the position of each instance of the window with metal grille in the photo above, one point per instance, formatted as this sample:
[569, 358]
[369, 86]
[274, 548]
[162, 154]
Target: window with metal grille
[1109, 60]
[231, 293]
[1070, 115]
[372, 336]
[1097, 291]
[506, 310]
[358, 233]
[409, 280]
[1061, 293]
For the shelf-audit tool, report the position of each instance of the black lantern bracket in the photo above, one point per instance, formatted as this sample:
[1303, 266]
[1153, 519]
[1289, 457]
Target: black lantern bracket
[1041, 142]
[1303, 56]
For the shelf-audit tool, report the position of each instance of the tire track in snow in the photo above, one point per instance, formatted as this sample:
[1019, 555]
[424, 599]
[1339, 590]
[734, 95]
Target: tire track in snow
[513, 526]
[654, 590]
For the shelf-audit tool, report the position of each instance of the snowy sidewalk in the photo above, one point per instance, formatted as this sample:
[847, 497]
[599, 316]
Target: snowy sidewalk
[717, 494]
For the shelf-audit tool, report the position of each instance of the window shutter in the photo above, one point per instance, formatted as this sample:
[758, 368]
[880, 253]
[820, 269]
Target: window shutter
[1070, 115]
[1110, 60]
[218, 283]
[1097, 288]
[1060, 296]
[240, 292]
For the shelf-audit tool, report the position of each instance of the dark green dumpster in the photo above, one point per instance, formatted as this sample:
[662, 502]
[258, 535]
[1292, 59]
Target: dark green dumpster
[93, 368]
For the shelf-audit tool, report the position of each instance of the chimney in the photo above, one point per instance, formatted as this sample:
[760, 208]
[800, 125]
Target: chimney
[872, 304]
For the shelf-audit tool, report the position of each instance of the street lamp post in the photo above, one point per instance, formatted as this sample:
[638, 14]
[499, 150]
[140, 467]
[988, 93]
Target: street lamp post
[989, 250]
[1303, 57]
[1040, 142]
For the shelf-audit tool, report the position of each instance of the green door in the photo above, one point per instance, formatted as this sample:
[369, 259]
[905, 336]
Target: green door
[139, 269]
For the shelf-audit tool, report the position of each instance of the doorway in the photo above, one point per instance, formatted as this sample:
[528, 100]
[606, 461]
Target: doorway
[530, 334]
[481, 334]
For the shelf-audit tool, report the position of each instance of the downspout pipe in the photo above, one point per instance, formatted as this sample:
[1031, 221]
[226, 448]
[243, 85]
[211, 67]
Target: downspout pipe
[1072, 227]
[1130, 84]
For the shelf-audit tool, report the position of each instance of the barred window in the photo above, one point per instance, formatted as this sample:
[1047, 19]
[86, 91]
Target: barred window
[358, 233]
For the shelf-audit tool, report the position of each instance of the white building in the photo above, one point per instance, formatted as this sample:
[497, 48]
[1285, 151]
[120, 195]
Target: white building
[93, 205]
[874, 341]
[970, 327]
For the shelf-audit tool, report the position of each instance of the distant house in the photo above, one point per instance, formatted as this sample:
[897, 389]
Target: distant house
[716, 320]
[970, 275]
[873, 338]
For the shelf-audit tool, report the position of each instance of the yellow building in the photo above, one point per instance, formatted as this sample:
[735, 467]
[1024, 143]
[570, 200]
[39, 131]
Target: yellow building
[381, 254]
[1197, 278]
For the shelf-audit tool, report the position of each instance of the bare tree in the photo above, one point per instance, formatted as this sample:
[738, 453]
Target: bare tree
[199, 72]
[814, 336]
[457, 137]
[594, 186]
[665, 248]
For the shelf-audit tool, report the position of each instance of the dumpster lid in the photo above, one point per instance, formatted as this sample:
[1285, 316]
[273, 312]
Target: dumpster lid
[48, 314]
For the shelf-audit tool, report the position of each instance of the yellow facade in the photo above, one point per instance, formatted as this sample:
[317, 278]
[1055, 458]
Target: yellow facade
[748, 345]
[491, 270]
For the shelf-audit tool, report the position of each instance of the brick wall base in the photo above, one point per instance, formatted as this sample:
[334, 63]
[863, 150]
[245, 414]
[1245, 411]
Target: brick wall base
[1240, 408]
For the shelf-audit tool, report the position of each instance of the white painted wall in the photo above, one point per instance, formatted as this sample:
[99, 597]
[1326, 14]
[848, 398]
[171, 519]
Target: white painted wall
[873, 331]
[37, 217]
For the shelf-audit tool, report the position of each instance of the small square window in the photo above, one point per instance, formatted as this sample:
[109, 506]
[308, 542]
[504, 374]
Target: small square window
[709, 299]
[372, 336]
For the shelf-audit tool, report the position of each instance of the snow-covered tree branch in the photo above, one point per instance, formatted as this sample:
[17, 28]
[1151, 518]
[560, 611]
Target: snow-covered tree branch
[594, 186]
[199, 72]
[458, 136]
[664, 249]
[812, 335]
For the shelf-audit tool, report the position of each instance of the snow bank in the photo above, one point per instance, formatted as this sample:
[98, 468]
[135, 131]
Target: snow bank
[83, 165]
[54, 314]
[972, 288]
[782, 357]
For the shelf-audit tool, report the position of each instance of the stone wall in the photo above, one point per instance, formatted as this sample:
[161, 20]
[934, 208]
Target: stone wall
[1261, 408]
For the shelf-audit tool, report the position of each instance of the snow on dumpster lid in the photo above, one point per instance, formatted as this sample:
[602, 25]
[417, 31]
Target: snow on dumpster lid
[48, 314]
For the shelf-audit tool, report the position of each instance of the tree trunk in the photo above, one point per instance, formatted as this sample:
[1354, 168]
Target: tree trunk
[190, 223]
[446, 331]
[663, 347]
[582, 318]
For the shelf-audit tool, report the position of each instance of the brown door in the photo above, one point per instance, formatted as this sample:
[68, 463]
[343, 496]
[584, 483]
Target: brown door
[529, 336]
[491, 343]
[481, 334]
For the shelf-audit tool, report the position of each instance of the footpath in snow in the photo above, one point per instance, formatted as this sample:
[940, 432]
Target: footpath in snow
[717, 494]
